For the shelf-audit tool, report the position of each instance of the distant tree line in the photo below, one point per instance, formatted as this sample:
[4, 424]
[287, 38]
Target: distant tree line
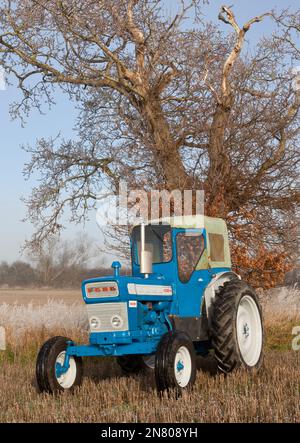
[58, 264]
[23, 274]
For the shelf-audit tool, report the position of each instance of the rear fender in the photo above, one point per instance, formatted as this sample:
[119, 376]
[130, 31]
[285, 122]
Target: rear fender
[210, 292]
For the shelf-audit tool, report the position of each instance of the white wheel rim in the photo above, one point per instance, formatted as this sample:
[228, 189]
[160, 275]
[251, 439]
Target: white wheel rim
[183, 366]
[67, 379]
[149, 361]
[249, 330]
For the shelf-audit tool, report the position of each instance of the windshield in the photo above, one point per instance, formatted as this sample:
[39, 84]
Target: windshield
[158, 240]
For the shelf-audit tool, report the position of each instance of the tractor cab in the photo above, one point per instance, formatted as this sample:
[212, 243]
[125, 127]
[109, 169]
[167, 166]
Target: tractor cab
[179, 248]
[185, 253]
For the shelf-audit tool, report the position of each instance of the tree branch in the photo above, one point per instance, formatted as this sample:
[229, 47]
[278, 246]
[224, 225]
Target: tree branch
[227, 16]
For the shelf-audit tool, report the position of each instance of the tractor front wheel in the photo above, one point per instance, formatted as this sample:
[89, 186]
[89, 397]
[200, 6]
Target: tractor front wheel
[237, 327]
[50, 360]
[175, 362]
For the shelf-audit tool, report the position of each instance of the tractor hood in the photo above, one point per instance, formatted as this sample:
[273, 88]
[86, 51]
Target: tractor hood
[120, 288]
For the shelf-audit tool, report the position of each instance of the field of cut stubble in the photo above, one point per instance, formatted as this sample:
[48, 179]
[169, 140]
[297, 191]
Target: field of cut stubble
[30, 317]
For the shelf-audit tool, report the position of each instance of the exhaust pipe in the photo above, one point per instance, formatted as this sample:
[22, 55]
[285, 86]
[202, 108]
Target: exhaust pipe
[146, 256]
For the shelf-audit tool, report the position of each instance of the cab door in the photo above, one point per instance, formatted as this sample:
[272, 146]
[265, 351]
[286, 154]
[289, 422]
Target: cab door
[193, 274]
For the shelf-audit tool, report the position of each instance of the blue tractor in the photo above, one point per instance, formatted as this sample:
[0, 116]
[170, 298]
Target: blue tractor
[182, 300]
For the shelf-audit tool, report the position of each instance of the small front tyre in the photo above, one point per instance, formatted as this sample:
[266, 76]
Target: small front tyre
[175, 365]
[50, 358]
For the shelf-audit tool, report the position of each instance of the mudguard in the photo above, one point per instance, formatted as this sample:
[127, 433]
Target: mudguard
[210, 291]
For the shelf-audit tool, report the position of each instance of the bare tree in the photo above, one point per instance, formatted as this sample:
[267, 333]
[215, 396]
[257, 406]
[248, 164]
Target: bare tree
[18, 273]
[55, 257]
[165, 107]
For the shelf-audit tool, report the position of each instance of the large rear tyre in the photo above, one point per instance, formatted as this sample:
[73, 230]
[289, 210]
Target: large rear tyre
[175, 363]
[237, 327]
[52, 356]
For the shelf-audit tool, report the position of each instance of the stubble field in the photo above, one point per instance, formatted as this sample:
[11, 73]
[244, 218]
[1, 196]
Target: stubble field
[30, 317]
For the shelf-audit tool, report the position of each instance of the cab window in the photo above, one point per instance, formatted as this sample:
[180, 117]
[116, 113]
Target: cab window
[158, 240]
[216, 242]
[190, 247]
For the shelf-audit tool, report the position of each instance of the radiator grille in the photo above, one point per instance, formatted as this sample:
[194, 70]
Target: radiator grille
[101, 314]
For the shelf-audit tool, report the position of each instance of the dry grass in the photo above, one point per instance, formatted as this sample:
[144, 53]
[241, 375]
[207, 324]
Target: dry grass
[271, 395]
[39, 296]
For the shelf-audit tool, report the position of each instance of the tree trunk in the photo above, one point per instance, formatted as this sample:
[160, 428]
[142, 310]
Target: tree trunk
[169, 163]
[219, 165]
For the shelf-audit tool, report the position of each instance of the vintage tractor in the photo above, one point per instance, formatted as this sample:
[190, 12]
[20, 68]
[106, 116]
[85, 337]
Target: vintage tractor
[182, 299]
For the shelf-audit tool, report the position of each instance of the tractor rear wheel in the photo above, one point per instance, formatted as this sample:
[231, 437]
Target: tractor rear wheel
[133, 364]
[175, 362]
[50, 358]
[237, 327]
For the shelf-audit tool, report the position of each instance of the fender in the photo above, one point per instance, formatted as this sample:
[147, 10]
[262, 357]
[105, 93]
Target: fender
[209, 294]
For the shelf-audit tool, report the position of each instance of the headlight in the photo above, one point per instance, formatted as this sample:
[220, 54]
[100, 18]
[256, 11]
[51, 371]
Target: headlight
[116, 321]
[95, 323]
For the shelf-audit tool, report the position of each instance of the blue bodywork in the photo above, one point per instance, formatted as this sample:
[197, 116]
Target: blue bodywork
[149, 319]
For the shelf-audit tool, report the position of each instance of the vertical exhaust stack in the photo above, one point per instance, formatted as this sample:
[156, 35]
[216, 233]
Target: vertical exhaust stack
[146, 256]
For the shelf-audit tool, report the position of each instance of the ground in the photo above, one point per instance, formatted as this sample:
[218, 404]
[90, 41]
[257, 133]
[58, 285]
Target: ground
[106, 396]
[39, 296]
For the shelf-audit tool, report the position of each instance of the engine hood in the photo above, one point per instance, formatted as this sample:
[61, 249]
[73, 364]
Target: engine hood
[155, 287]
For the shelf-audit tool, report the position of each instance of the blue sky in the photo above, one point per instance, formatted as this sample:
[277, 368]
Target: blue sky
[13, 232]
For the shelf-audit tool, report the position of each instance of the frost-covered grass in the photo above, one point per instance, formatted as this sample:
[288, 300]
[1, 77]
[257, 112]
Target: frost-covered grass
[51, 315]
[282, 302]
[281, 308]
